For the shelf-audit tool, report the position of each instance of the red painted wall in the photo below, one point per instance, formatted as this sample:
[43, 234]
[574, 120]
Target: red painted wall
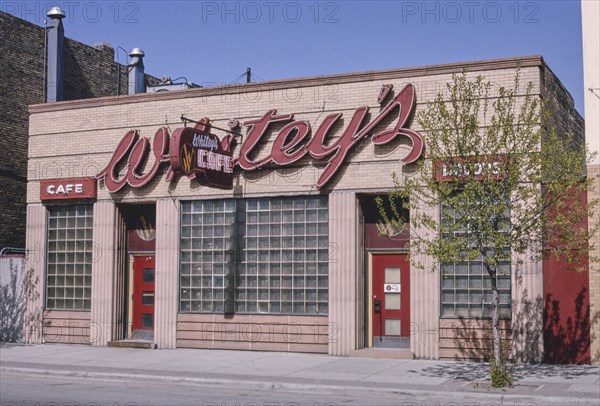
[566, 312]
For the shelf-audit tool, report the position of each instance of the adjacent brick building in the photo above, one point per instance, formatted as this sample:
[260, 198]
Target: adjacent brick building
[590, 21]
[89, 71]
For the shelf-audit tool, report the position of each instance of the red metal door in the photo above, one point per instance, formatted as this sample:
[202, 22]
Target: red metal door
[143, 293]
[390, 300]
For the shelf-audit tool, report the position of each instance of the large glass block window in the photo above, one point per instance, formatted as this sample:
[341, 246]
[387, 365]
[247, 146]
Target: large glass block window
[466, 288]
[207, 261]
[272, 257]
[69, 260]
[284, 263]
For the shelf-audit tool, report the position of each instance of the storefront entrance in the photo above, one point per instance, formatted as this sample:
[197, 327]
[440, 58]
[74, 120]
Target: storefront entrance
[140, 221]
[390, 301]
[143, 293]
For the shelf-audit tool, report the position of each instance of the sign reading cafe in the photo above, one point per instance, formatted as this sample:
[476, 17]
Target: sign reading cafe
[195, 152]
[201, 155]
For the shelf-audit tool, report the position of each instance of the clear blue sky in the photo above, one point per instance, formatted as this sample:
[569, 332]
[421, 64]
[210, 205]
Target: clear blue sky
[214, 41]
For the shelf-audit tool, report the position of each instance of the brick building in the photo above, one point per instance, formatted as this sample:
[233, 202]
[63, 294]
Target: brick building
[270, 247]
[89, 71]
[590, 13]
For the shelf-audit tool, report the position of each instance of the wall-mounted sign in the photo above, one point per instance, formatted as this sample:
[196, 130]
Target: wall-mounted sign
[145, 229]
[391, 288]
[292, 143]
[201, 155]
[75, 188]
[457, 169]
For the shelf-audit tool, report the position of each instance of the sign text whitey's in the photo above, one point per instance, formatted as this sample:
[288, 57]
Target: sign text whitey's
[292, 143]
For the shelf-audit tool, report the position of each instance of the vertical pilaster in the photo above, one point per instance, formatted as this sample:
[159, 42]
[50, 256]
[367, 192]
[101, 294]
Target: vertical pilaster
[425, 301]
[35, 280]
[107, 274]
[167, 271]
[343, 272]
[527, 285]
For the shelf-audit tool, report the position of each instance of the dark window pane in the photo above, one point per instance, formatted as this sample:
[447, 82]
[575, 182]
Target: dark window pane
[148, 275]
[147, 298]
[147, 320]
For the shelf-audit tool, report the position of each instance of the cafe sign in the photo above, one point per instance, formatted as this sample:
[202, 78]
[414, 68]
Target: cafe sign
[195, 152]
[201, 155]
[74, 188]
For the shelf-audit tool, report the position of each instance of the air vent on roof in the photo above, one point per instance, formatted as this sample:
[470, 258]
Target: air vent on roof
[171, 86]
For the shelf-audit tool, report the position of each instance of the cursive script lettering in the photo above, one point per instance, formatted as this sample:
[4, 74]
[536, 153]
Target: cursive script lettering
[137, 149]
[292, 143]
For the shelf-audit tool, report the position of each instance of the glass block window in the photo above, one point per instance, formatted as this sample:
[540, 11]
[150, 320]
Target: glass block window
[272, 257]
[69, 260]
[283, 266]
[207, 261]
[466, 289]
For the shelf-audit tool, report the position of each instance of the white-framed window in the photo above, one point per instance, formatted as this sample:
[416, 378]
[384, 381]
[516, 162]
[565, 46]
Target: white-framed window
[69, 258]
[267, 255]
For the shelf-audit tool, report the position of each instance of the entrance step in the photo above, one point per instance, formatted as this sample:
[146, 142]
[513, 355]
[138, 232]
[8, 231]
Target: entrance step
[133, 344]
[390, 353]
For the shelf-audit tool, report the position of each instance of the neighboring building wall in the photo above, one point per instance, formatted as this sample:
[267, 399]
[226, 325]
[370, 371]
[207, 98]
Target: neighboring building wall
[594, 272]
[88, 72]
[590, 12]
[565, 294]
[12, 297]
[100, 125]
[563, 115]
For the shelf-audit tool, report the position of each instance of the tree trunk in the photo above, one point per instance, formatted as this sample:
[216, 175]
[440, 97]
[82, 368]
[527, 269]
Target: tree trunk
[496, 319]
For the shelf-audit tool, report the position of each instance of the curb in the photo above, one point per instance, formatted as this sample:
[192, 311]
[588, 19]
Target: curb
[352, 387]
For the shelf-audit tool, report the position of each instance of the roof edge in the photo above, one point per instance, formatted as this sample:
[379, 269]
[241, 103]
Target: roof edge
[427, 70]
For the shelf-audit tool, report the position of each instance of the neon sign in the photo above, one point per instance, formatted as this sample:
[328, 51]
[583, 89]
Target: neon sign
[198, 154]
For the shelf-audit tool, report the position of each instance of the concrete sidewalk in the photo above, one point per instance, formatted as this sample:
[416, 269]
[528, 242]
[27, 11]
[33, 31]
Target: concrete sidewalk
[539, 384]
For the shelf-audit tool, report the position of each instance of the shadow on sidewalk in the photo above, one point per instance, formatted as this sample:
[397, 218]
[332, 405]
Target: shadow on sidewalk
[473, 371]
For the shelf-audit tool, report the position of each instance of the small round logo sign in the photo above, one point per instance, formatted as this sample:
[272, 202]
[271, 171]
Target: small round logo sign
[145, 229]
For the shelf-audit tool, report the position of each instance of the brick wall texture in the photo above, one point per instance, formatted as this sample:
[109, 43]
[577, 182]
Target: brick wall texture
[98, 126]
[89, 72]
[78, 140]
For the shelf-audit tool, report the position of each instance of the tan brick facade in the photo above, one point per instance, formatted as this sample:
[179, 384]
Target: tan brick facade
[76, 139]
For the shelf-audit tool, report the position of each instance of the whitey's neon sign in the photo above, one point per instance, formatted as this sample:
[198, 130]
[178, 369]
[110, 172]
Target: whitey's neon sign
[292, 143]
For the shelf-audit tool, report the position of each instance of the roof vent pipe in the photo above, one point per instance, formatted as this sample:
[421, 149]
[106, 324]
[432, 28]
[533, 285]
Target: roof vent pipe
[56, 45]
[136, 72]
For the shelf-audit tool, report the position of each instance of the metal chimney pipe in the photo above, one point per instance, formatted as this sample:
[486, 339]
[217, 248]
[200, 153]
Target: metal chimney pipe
[136, 72]
[56, 45]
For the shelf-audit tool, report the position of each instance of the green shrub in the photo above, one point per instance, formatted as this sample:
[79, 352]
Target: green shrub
[500, 375]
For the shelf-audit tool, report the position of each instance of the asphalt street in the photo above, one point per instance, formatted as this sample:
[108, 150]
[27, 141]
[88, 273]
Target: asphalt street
[73, 375]
[19, 389]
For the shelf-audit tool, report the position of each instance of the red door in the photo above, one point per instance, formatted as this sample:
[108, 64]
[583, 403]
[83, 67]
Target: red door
[390, 300]
[143, 293]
